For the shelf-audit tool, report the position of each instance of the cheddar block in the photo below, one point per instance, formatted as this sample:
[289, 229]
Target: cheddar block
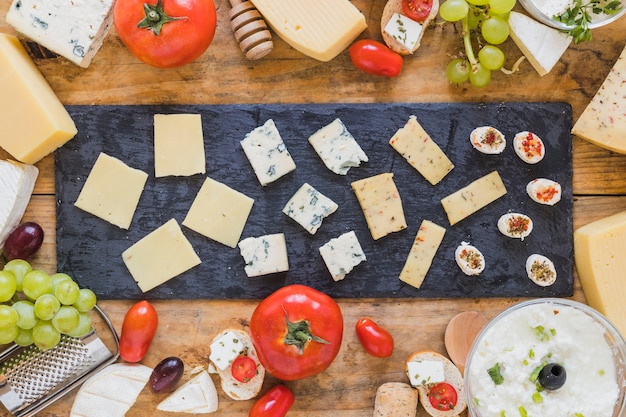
[600, 257]
[178, 145]
[471, 198]
[34, 122]
[320, 29]
[603, 122]
[423, 251]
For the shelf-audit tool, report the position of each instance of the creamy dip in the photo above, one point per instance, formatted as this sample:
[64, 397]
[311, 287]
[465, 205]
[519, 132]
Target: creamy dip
[540, 333]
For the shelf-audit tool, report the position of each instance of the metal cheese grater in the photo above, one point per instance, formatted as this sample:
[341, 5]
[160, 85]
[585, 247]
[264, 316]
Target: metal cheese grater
[31, 379]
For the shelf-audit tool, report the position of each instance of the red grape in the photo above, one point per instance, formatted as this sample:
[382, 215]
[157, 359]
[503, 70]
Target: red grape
[24, 241]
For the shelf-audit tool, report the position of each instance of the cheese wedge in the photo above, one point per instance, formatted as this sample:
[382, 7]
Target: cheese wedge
[16, 187]
[196, 396]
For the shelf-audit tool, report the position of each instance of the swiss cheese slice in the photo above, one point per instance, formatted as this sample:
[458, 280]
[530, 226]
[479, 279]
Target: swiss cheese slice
[178, 145]
[423, 251]
[600, 256]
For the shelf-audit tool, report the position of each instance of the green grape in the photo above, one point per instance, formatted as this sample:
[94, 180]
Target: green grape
[491, 57]
[8, 285]
[453, 10]
[8, 316]
[67, 291]
[66, 319]
[24, 337]
[480, 77]
[19, 267]
[501, 6]
[58, 278]
[475, 18]
[86, 300]
[36, 283]
[458, 71]
[8, 334]
[46, 306]
[478, 2]
[495, 30]
[45, 336]
[26, 314]
[84, 326]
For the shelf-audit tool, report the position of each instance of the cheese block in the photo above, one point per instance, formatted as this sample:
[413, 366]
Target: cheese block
[34, 122]
[337, 147]
[342, 254]
[600, 257]
[160, 256]
[471, 198]
[308, 207]
[603, 122]
[381, 204]
[112, 191]
[264, 254]
[219, 212]
[423, 251]
[74, 29]
[178, 145]
[319, 29]
[196, 396]
[16, 187]
[542, 45]
[418, 148]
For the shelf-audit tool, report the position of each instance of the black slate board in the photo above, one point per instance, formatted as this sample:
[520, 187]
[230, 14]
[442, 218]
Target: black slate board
[90, 249]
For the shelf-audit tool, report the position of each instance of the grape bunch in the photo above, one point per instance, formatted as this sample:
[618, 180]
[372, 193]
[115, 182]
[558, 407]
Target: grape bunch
[37, 308]
[488, 21]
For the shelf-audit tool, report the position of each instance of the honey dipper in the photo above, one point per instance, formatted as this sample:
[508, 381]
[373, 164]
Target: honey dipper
[250, 30]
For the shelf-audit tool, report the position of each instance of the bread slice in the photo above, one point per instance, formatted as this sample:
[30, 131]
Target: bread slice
[396, 399]
[233, 388]
[395, 6]
[452, 376]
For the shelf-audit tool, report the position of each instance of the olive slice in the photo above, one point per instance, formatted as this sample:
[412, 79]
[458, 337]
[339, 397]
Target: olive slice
[552, 376]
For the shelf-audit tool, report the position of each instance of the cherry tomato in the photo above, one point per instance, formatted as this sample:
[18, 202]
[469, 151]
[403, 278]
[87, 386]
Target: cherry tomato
[375, 58]
[138, 330]
[243, 368]
[274, 403]
[417, 10]
[375, 340]
[296, 332]
[165, 33]
[443, 396]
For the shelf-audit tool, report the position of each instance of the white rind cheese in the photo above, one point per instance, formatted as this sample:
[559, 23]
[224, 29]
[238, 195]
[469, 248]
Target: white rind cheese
[337, 147]
[308, 207]
[264, 255]
[342, 254]
[16, 187]
[529, 147]
[544, 191]
[515, 225]
[423, 251]
[540, 270]
[196, 396]
[469, 259]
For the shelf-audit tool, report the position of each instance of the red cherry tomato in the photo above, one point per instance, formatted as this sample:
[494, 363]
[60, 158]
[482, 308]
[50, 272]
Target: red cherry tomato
[138, 330]
[274, 403]
[375, 340]
[443, 396]
[417, 10]
[243, 368]
[375, 58]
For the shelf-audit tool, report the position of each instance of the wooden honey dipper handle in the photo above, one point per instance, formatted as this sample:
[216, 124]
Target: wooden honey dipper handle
[250, 30]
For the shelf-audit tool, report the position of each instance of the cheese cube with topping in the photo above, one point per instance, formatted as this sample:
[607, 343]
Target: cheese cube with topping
[404, 30]
[342, 254]
[425, 372]
[225, 349]
[337, 147]
[308, 207]
[265, 254]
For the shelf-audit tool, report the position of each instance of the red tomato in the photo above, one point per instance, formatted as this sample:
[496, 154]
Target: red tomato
[443, 396]
[138, 329]
[165, 33]
[296, 332]
[243, 368]
[375, 58]
[417, 10]
[375, 340]
[274, 403]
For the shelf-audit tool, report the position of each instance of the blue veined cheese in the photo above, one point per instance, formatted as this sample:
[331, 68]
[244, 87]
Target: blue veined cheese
[337, 147]
[264, 255]
[404, 30]
[342, 254]
[267, 153]
[308, 207]
[74, 29]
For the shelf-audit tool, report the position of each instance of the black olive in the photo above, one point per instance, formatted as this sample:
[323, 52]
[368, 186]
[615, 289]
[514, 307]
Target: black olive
[552, 376]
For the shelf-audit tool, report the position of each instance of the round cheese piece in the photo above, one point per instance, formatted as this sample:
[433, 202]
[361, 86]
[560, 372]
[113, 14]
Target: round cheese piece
[540, 270]
[488, 139]
[515, 225]
[469, 259]
[529, 147]
[544, 191]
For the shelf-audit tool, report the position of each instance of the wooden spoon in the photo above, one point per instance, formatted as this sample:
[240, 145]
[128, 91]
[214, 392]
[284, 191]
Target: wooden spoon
[460, 334]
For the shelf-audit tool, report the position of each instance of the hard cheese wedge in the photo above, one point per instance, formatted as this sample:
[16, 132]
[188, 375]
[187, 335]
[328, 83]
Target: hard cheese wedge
[603, 122]
[423, 251]
[320, 29]
[34, 122]
[178, 145]
[16, 186]
[600, 255]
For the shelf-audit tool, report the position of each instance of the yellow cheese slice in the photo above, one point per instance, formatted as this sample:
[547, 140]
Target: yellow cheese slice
[34, 122]
[600, 256]
[423, 251]
[320, 29]
[178, 145]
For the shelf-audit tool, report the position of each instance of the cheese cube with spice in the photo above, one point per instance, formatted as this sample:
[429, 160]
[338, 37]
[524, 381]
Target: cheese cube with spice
[423, 251]
[308, 207]
[342, 254]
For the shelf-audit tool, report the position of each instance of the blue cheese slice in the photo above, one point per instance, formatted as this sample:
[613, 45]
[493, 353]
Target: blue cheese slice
[264, 255]
[342, 254]
[308, 207]
[267, 153]
[423, 251]
[337, 148]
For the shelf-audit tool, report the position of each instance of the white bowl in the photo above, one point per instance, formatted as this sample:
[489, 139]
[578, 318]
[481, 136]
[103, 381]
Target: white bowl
[536, 9]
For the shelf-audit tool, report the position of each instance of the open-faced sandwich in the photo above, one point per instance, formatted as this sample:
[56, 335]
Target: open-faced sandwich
[403, 23]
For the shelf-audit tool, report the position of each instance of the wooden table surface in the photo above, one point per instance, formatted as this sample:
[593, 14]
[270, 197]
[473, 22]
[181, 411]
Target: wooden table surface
[223, 76]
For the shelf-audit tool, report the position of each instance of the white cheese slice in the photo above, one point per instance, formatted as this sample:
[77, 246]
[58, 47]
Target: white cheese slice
[337, 148]
[225, 349]
[17, 181]
[308, 207]
[425, 372]
[542, 45]
[196, 396]
[178, 145]
[342, 254]
[267, 153]
[423, 251]
[404, 30]
[264, 254]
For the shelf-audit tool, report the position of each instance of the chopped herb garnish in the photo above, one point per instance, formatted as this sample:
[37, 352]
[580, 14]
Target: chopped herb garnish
[494, 373]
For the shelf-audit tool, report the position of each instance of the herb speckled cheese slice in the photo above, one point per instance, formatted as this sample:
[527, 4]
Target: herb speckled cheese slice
[423, 251]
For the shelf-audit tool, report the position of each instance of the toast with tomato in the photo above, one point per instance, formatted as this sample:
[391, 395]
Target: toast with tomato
[439, 383]
[422, 11]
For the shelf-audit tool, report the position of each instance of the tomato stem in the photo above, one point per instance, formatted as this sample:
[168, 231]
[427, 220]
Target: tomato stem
[155, 17]
[299, 334]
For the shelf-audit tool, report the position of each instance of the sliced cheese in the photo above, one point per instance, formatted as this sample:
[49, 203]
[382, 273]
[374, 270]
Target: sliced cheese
[320, 29]
[468, 200]
[603, 122]
[160, 256]
[542, 45]
[178, 145]
[423, 251]
[112, 191]
[342, 254]
[264, 254]
[418, 148]
[16, 187]
[308, 207]
[337, 148]
[600, 256]
[34, 122]
[196, 396]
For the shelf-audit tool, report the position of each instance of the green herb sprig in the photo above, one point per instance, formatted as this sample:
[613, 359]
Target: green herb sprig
[581, 13]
